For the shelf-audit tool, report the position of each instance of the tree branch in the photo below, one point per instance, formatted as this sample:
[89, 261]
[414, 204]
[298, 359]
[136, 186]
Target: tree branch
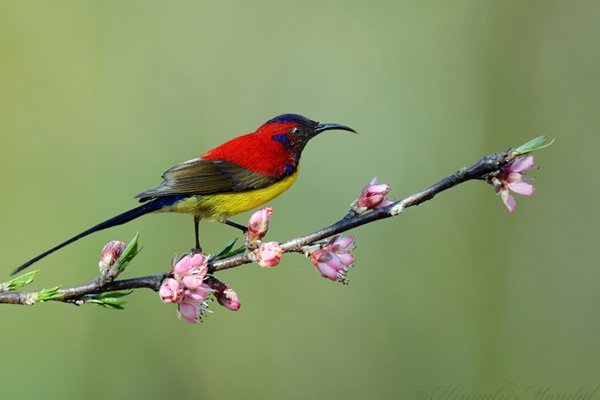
[483, 169]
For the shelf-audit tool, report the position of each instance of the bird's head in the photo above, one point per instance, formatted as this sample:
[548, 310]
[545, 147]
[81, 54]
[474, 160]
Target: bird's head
[293, 131]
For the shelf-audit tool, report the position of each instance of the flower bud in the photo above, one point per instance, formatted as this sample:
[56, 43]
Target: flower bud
[328, 264]
[259, 224]
[109, 258]
[228, 299]
[268, 254]
[372, 197]
[334, 259]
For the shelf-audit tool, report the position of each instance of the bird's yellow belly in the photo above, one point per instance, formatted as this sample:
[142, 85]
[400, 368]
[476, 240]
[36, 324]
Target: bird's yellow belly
[224, 205]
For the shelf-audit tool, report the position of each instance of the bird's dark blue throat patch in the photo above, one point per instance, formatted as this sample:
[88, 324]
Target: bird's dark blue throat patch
[288, 170]
[285, 118]
[283, 139]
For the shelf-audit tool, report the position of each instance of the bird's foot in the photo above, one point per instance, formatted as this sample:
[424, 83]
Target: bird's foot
[242, 228]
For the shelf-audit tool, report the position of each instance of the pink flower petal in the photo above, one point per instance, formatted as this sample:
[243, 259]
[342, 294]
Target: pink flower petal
[191, 282]
[382, 188]
[195, 295]
[521, 164]
[514, 177]
[323, 256]
[327, 271]
[165, 294]
[183, 266]
[346, 258]
[189, 312]
[334, 262]
[385, 203]
[170, 291]
[340, 243]
[508, 200]
[522, 188]
[197, 260]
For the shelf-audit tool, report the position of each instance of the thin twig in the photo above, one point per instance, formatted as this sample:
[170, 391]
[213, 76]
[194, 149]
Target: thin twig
[481, 170]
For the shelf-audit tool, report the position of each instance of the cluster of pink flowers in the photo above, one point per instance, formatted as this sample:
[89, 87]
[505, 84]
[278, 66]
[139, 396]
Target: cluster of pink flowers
[372, 197]
[511, 178]
[334, 258]
[189, 287]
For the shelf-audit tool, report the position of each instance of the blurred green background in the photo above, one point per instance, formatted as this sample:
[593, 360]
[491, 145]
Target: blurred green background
[98, 98]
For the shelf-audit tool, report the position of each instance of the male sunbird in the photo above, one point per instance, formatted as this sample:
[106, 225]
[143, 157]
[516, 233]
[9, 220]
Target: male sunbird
[234, 177]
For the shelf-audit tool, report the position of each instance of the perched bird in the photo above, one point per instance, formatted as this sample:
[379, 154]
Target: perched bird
[234, 177]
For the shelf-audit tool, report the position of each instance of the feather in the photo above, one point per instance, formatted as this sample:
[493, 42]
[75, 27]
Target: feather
[200, 176]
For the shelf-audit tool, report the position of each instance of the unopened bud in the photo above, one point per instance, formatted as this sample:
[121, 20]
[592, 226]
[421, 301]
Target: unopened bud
[268, 254]
[259, 224]
[372, 197]
[228, 299]
[109, 259]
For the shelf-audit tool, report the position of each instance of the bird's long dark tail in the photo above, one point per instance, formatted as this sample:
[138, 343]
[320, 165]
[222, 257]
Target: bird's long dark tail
[127, 216]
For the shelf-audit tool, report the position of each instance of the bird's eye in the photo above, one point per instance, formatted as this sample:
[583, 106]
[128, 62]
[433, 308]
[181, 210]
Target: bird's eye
[295, 130]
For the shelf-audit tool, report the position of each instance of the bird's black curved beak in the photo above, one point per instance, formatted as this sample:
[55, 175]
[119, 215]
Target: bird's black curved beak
[327, 127]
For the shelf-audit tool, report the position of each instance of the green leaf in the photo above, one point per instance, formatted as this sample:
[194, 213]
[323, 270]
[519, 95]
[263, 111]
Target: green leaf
[231, 253]
[110, 300]
[18, 282]
[533, 145]
[113, 304]
[225, 250]
[48, 294]
[129, 253]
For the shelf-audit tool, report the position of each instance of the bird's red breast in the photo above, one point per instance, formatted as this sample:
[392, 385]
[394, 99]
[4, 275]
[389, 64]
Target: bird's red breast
[258, 151]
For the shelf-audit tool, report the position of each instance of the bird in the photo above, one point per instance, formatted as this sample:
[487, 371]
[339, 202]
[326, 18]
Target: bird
[237, 176]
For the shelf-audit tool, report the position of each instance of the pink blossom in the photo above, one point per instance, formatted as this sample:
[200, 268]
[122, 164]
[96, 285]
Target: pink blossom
[191, 270]
[199, 293]
[339, 243]
[191, 310]
[372, 197]
[228, 299]
[182, 266]
[328, 264]
[193, 304]
[171, 291]
[268, 254]
[334, 259]
[110, 254]
[187, 286]
[511, 178]
[259, 224]
[195, 263]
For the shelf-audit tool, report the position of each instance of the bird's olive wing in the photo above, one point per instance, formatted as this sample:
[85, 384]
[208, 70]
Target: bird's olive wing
[200, 177]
